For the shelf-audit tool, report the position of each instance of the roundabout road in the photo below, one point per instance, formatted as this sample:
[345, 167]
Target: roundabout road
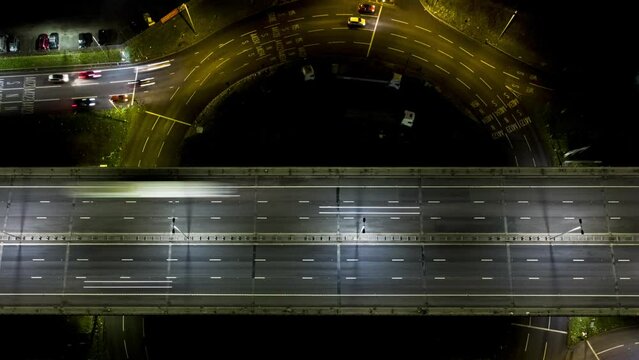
[492, 87]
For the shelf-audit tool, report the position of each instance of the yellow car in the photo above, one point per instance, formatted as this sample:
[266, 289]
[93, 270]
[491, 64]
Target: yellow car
[356, 21]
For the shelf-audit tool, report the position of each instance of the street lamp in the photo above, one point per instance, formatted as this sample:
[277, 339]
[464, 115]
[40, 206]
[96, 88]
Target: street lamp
[571, 230]
[173, 228]
[507, 25]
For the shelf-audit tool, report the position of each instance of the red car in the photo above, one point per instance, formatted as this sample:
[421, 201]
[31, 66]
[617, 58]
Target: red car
[366, 8]
[90, 74]
[42, 42]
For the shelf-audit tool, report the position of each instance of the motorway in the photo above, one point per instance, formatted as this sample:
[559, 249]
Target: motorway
[492, 87]
[429, 276]
[323, 205]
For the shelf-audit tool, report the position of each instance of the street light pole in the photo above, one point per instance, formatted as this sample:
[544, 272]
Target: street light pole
[507, 25]
[186, 8]
[173, 228]
[569, 231]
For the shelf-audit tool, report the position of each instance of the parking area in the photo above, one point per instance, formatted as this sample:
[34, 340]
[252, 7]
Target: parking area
[74, 17]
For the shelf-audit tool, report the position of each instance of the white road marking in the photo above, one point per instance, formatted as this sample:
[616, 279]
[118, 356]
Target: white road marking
[522, 201]
[399, 36]
[441, 51]
[467, 68]
[524, 218]
[126, 259]
[421, 43]
[303, 201]
[303, 218]
[466, 51]
[486, 278]
[260, 260]
[442, 69]
[577, 278]
[623, 260]
[439, 260]
[397, 278]
[171, 259]
[613, 201]
[577, 260]
[486, 260]
[215, 218]
[352, 260]
[398, 260]
[487, 64]
[394, 49]
[85, 217]
[41, 217]
[217, 277]
[615, 218]
[569, 218]
[478, 201]
[422, 28]
[129, 218]
[433, 201]
[399, 21]
[36, 277]
[532, 260]
[82, 259]
[307, 278]
[440, 278]
[351, 278]
[463, 83]
[419, 57]
[485, 83]
[320, 15]
[296, 19]
[435, 217]
[215, 260]
[610, 348]
[37, 259]
[479, 218]
[533, 278]
[511, 75]
[44, 201]
[441, 36]
[80, 277]
[308, 260]
[567, 201]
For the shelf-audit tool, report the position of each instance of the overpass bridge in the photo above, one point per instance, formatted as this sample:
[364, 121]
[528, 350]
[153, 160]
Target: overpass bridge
[320, 240]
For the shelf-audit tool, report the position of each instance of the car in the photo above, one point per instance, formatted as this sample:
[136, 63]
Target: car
[83, 103]
[14, 43]
[409, 118]
[356, 21]
[122, 98]
[59, 78]
[308, 72]
[4, 39]
[42, 42]
[148, 19]
[85, 40]
[107, 36]
[89, 74]
[366, 8]
[142, 82]
[54, 41]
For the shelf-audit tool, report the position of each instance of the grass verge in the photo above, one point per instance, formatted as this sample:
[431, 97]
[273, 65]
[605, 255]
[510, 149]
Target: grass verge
[580, 328]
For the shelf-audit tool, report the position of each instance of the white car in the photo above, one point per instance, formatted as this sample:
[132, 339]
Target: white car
[309, 72]
[59, 78]
[409, 118]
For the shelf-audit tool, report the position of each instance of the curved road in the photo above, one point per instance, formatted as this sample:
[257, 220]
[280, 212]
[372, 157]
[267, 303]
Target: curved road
[494, 88]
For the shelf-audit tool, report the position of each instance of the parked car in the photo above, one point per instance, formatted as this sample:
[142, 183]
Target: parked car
[308, 72]
[4, 43]
[54, 41]
[85, 40]
[14, 43]
[42, 42]
[107, 36]
[59, 78]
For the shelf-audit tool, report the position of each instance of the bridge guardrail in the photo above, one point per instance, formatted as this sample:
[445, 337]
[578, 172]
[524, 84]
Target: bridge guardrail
[323, 238]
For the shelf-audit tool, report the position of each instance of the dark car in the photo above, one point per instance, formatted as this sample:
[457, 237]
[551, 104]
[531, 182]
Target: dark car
[107, 36]
[42, 42]
[139, 83]
[83, 103]
[122, 98]
[366, 8]
[85, 40]
[54, 41]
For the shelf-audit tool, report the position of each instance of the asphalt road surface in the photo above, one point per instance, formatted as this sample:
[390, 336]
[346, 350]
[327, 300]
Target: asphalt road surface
[346, 275]
[324, 206]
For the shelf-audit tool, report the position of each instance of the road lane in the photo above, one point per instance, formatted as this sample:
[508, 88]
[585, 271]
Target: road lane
[407, 275]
